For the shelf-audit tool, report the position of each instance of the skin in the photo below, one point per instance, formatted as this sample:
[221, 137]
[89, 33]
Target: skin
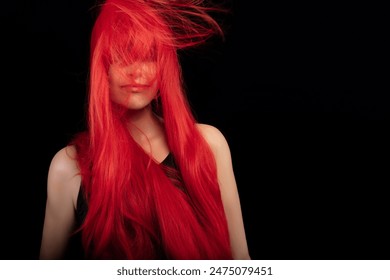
[63, 182]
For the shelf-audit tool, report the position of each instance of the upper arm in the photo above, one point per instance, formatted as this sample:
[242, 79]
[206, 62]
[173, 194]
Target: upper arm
[63, 182]
[228, 188]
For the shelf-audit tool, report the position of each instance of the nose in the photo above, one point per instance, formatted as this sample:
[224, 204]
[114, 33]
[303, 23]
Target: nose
[140, 73]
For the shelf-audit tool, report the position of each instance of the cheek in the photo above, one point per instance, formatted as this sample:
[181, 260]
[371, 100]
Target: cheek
[154, 88]
[116, 77]
[117, 96]
[114, 88]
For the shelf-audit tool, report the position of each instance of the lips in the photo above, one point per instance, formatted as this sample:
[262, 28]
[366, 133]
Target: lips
[134, 88]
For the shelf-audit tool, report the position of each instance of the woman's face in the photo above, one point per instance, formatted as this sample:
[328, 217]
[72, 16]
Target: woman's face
[133, 86]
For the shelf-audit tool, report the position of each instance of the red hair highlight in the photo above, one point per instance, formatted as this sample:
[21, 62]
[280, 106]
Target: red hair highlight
[134, 210]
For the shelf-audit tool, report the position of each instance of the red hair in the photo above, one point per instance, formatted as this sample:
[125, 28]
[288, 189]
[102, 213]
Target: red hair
[133, 208]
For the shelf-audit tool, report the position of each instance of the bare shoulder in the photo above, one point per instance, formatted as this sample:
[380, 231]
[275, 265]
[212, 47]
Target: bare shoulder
[228, 187]
[63, 184]
[64, 163]
[64, 175]
[214, 137]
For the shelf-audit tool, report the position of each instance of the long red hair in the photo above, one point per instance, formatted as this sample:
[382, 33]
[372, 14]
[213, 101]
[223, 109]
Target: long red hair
[133, 208]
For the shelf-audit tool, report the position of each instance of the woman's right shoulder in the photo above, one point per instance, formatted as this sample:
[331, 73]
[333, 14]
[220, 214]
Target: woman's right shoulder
[64, 163]
[64, 177]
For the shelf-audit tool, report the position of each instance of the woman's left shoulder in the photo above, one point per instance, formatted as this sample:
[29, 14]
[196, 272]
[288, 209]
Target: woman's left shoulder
[213, 136]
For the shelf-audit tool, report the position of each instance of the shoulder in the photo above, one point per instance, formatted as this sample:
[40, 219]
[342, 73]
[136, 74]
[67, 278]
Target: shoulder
[64, 175]
[64, 163]
[214, 137]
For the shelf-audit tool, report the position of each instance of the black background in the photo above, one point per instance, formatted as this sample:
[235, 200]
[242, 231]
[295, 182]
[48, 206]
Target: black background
[300, 91]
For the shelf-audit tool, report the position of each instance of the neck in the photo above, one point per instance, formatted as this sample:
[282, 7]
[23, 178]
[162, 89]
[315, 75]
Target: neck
[144, 125]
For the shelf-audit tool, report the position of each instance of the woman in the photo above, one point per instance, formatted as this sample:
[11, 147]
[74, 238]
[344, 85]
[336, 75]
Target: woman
[145, 181]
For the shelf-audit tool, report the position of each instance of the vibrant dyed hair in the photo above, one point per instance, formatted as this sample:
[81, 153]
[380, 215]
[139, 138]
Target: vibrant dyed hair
[133, 208]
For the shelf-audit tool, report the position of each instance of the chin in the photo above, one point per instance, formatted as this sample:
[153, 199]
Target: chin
[136, 106]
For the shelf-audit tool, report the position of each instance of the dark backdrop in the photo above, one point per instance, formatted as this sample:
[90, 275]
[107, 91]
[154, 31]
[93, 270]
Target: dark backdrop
[298, 89]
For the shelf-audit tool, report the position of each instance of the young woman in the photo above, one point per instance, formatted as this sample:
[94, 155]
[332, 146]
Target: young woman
[145, 180]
